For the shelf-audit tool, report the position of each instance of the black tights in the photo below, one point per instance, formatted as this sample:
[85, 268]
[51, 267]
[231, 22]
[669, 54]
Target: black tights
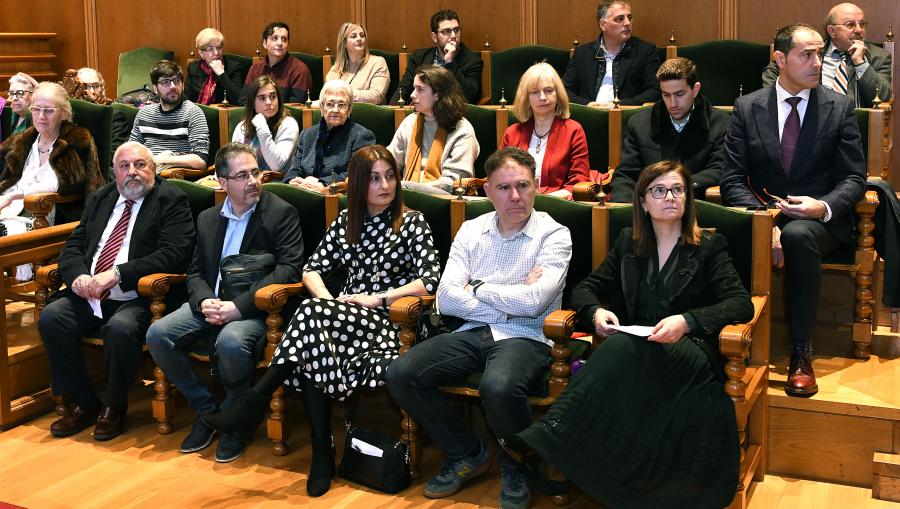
[318, 404]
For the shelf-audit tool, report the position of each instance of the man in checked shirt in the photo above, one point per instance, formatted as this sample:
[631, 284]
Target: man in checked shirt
[505, 274]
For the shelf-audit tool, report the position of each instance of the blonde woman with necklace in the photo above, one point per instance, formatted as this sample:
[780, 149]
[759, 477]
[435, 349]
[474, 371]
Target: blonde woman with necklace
[367, 74]
[556, 142]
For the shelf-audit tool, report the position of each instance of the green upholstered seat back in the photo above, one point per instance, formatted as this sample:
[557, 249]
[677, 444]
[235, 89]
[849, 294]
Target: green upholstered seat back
[393, 65]
[661, 53]
[596, 128]
[199, 197]
[508, 66]
[437, 213]
[129, 111]
[477, 207]
[135, 65]
[724, 66]
[314, 62]
[5, 122]
[243, 63]
[97, 119]
[212, 122]
[235, 115]
[577, 217]
[378, 119]
[484, 121]
[311, 208]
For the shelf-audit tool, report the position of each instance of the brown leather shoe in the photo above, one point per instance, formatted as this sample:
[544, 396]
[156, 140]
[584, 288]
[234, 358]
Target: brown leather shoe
[801, 379]
[74, 421]
[109, 425]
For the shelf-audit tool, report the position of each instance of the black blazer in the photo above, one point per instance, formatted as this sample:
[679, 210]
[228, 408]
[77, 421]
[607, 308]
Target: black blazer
[160, 242]
[466, 66]
[634, 73]
[829, 164]
[274, 228]
[651, 138]
[231, 81]
[705, 287]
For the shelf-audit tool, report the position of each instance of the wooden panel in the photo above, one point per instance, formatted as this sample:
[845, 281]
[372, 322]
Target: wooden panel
[410, 22]
[243, 26]
[65, 18]
[694, 21]
[757, 23]
[169, 25]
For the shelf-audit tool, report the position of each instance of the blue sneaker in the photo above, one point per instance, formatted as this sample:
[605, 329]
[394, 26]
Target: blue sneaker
[199, 438]
[457, 472]
[514, 492]
[230, 448]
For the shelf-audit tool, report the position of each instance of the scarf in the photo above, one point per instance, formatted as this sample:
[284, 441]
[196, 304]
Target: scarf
[209, 86]
[414, 153]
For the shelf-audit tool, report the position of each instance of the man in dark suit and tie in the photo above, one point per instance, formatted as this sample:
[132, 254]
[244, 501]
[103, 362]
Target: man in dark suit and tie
[136, 226]
[248, 222]
[797, 145]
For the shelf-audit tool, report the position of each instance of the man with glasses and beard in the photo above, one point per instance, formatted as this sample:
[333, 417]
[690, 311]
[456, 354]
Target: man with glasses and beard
[248, 222]
[133, 227]
[175, 130]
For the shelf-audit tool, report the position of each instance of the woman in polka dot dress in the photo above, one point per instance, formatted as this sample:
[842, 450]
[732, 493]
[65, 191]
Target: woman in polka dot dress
[336, 345]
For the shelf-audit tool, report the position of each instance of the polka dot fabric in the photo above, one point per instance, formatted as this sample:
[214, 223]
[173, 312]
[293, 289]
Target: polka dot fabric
[342, 346]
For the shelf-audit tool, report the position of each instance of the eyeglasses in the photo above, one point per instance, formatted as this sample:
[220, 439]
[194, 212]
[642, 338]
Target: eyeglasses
[92, 86]
[336, 106]
[17, 93]
[36, 111]
[447, 32]
[660, 192]
[244, 176]
[850, 25]
[211, 48]
[169, 82]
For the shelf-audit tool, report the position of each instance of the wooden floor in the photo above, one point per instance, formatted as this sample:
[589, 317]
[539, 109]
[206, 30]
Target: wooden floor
[143, 469]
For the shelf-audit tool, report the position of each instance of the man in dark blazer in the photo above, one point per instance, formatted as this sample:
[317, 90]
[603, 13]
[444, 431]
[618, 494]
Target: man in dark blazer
[449, 52]
[866, 65]
[133, 227]
[248, 222]
[682, 125]
[617, 63]
[797, 145]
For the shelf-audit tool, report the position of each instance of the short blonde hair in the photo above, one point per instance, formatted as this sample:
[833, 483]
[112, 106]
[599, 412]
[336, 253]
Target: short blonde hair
[208, 35]
[337, 86]
[529, 81]
[57, 94]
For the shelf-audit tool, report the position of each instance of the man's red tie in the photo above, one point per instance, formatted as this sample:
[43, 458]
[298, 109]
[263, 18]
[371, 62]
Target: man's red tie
[113, 244]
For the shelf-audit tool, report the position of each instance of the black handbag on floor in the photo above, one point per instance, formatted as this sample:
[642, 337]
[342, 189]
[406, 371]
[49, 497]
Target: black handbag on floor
[374, 459]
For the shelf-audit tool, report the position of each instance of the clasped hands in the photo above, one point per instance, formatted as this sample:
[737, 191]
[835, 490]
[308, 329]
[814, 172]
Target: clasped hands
[669, 330]
[93, 287]
[795, 207]
[219, 312]
[366, 300]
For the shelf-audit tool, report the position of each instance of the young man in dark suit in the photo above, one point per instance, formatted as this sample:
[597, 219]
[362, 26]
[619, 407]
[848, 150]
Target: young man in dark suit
[797, 145]
[248, 222]
[136, 226]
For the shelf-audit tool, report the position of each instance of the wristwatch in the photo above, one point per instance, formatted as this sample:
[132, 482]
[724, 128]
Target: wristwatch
[474, 284]
[383, 297]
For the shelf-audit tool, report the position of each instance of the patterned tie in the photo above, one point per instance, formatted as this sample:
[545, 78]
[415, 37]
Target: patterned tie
[790, 134]
[841, 75]
[114, 244]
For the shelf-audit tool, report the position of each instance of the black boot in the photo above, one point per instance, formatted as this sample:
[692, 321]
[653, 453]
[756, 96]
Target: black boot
[247, 412]
[534, 468]
[321, 469]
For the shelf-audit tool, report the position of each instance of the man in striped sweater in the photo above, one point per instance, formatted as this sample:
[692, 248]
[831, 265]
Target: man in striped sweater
[174, 130]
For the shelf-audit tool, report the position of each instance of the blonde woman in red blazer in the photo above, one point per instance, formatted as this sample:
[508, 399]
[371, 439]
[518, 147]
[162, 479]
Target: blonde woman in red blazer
[545, 130]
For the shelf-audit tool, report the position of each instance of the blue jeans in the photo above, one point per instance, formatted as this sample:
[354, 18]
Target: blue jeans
[511, 366]
[170, 339]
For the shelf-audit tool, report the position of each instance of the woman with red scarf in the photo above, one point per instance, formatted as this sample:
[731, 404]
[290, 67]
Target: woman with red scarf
[214, 77]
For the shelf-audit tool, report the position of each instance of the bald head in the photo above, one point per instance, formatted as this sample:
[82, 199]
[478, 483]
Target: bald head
[845, 24]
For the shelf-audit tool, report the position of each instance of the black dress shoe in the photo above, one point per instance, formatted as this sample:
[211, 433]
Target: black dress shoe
[74, 421]
[321, 469]
[801, 379]
[242, 417]
[534, 468]
[109, 425]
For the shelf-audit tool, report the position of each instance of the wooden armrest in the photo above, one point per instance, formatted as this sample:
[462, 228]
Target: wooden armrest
[734, 338]
[47, 276]
[338, 187]
[181, 173]
[713, 195]
[406, 310]
[559, 325]
[586, 191]
[472, 185]
[272, 176]
[157, 286]
[272, 298]
[39, 206]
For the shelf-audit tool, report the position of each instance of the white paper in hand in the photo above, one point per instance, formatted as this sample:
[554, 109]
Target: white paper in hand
[95, 307]
[366, 448]
[635, 330]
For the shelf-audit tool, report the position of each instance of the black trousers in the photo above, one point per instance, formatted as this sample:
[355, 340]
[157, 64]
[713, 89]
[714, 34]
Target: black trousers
[66, 320]
[804, 242]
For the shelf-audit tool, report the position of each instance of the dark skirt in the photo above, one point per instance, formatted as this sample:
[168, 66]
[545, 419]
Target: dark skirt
[644, 424]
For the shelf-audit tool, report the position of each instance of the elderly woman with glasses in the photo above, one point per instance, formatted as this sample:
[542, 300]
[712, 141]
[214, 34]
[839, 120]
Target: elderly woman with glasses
[21, 88]
[214, 77]
[51, 156]
[647, 422]
[325, 148]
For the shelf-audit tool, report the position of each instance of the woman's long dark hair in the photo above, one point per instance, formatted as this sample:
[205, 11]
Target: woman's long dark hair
[644, 238]
[359, 172]
[450, 106]
[250, 108]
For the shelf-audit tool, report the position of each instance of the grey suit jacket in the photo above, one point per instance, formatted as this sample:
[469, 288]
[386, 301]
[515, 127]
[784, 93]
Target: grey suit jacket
[861, 91]
[828, 165]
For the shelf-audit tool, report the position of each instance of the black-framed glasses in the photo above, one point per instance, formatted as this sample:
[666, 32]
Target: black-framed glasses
[244, 176]
[447, 32]
[660, 192]
[19, 94]
[169, 82]
[850, 25]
